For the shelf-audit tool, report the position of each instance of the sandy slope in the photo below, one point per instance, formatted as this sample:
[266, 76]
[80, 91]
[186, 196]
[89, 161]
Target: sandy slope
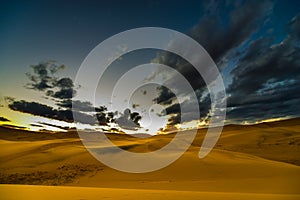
[221, 171]
[16, 192]
[248, 162]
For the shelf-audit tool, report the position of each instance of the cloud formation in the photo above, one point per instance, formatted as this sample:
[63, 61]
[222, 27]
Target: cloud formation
[62, 91]
[266, 80]
[243, 21]
[221, 37]
[129, 120]
[38, 109]
[43, 78]
[53, 125]
[42, 110]
[166, 96]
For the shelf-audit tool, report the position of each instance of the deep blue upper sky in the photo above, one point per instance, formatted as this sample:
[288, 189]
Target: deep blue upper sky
[67, 30]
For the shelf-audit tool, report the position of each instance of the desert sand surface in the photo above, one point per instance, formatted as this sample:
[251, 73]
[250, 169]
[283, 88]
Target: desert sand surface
[13, 192]
[249, 162]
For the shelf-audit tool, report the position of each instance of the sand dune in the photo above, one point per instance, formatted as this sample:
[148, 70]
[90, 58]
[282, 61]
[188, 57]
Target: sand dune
[16, 192]
[260, 162]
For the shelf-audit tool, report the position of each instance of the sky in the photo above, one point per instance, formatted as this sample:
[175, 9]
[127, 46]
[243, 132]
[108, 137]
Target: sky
[254, 44]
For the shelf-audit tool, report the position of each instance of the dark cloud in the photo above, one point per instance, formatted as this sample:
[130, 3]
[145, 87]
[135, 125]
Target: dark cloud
[166, 96]
[36, 125]
[105, 118]
[189, 114]
[3, 119]
[43, 79]
[266, 80]
[100, 109]
[66, 89]
[64, 83]
[173, 109]
[83, 106]
[135, 117]
[42, 110]
[56, 126]
[129, 120]
[66, 93]
[82, 111]
[258, 112]
[242, 22]
[62, 91]
[220, 37]
[35, 108]
[174, 119]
